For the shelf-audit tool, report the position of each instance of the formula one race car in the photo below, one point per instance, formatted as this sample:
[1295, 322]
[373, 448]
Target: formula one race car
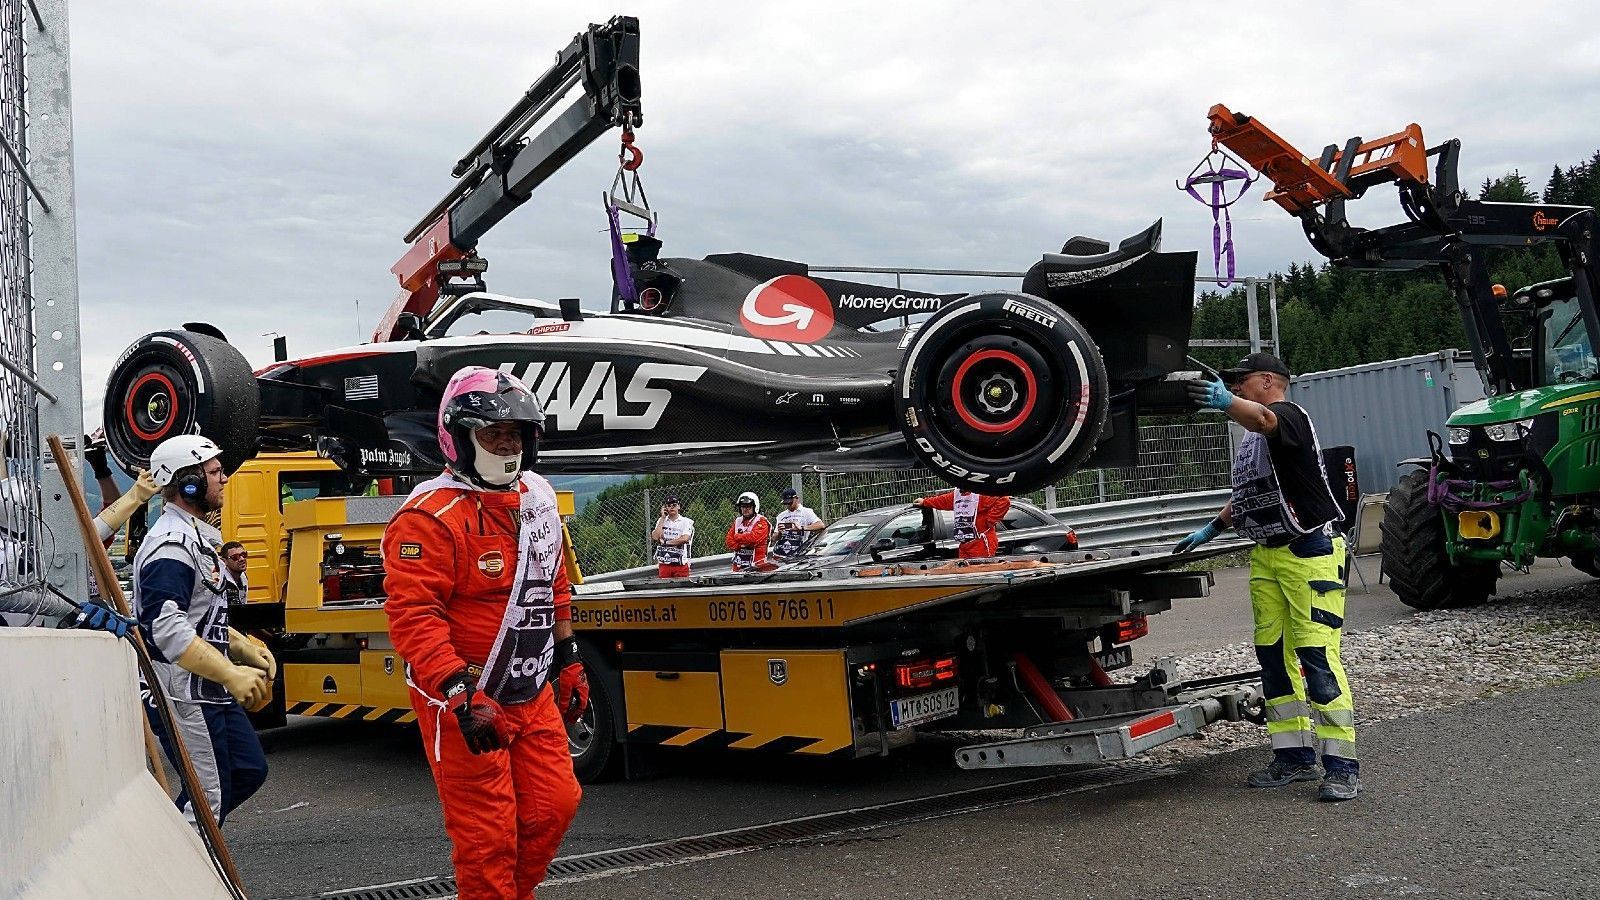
[733, 362]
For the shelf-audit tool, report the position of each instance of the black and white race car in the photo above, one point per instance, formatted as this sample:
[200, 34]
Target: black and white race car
[741, 363]
[728, 363]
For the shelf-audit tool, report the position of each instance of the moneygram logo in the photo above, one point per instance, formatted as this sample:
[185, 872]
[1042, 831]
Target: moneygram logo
[787, 308]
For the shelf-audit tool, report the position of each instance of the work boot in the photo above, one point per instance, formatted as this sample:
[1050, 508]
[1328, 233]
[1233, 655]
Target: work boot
[1339, 786]
[1280, 772]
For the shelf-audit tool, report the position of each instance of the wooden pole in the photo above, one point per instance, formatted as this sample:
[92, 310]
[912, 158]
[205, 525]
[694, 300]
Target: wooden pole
[110, 587]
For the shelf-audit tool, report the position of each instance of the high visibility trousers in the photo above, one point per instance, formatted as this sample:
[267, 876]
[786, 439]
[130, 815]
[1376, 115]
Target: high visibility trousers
[1297, 597]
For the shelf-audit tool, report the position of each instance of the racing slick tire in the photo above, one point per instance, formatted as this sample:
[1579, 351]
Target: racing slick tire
[1414, 556]
[181, 382]
[1001, 393]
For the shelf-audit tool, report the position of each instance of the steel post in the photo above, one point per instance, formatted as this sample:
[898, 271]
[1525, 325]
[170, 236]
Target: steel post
[55, 280]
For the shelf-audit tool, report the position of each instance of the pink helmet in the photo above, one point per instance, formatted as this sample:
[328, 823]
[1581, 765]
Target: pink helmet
[477, 397]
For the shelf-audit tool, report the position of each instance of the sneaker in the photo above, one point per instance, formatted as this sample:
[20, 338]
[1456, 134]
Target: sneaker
[1280, 772]
[1339, 786]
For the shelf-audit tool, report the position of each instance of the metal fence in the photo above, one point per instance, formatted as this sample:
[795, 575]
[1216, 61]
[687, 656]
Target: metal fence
[40, 386]
[613, 531]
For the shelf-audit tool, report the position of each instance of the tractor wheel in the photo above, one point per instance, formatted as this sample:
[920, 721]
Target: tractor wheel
[1414, 553]
[1002, 393]
[1586, 563]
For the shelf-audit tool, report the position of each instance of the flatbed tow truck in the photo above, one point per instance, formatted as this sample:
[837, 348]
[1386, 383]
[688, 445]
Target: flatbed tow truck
[849, 662]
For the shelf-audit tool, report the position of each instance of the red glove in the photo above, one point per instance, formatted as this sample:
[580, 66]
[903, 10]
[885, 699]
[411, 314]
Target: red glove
[475, 712]
[572, 682]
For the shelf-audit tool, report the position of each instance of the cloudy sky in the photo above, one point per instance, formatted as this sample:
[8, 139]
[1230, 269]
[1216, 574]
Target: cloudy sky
[255, 165]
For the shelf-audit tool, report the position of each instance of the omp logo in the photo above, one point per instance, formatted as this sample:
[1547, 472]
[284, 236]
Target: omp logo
[787, 308]
[570, 394]
[1028, 312]
[1542, 221]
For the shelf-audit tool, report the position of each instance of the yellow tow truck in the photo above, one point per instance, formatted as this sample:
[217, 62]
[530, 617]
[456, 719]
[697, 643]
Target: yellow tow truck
[819, 662]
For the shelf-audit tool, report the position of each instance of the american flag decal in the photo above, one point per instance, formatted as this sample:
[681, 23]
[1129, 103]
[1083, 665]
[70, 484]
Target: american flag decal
[361, 387]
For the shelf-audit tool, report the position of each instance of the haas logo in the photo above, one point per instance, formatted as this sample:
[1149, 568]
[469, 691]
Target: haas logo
[787, 308]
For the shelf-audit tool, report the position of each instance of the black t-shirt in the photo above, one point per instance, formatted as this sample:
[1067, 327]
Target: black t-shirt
[1300, 473]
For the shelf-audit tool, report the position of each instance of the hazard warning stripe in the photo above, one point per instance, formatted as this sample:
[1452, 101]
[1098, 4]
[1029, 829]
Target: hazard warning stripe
[351, 711]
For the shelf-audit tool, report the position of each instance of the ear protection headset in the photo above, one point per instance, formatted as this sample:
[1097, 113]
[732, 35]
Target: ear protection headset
[191, 485]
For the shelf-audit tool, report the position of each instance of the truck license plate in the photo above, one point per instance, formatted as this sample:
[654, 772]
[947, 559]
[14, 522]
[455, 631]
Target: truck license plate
[908, 711]
[1115, 658]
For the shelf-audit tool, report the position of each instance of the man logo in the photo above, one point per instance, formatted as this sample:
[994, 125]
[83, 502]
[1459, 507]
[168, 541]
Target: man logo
[492, 563]
[778, 671]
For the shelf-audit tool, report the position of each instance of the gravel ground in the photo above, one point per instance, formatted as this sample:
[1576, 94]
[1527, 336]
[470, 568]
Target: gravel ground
[1433, 660]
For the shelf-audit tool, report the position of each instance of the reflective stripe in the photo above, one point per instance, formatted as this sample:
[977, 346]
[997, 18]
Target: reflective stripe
[1336, 747]
[1286, 739]
[1339, 718]
[1291, 709]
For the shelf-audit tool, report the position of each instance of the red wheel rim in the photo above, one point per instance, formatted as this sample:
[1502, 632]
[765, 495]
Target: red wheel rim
[973, 421]
[133, 419]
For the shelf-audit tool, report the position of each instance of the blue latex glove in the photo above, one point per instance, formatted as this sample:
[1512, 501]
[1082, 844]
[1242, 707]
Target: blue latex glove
[1200, 536]
[92, 615]
[1210, 394]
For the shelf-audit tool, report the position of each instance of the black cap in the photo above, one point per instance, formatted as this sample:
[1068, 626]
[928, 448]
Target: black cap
[790, 493]
[671, 501]
[1255, 362]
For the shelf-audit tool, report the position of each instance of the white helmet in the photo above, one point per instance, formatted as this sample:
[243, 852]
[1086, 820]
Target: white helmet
[748, 497]
[180, 452]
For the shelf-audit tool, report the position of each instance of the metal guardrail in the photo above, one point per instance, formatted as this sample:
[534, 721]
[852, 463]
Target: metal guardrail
[1119, 523]
[1146, 520]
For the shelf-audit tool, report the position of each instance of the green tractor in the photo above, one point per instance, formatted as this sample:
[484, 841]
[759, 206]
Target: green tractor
[1516, 477]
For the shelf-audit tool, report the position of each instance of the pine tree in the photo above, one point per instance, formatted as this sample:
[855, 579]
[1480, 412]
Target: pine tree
[1558, 190]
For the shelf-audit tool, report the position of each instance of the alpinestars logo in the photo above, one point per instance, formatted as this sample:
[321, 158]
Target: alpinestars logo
[570, 394]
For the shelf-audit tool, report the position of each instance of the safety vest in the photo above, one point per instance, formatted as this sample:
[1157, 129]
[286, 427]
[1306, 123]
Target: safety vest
[1260, 510]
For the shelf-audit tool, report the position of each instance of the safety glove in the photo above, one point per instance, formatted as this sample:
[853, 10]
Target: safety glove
[249, 651]
[94, 453]
[246, 684]
[572, 682]
[475, 712]
[1205, 533]
[93, 615]
[1209, 394]
[131, 502]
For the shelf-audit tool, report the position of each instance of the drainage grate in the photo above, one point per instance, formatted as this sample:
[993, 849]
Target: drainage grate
[586, 866]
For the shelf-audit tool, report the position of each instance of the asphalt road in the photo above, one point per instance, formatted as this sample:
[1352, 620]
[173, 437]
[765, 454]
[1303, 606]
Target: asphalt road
[1492, 799]
[351, 804]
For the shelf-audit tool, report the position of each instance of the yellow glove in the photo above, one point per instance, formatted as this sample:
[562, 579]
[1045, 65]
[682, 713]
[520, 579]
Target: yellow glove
[144, 487]
[246, 684]
[248, 651]
[123, 508]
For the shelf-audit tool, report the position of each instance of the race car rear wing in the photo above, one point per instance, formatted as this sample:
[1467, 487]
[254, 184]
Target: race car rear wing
[500, 172]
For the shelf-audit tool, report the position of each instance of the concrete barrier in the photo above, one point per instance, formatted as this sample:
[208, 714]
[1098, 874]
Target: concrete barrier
[80, 816]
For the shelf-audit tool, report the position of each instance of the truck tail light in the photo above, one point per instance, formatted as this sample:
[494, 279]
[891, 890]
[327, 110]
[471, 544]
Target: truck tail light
[925, 673]
[1133, 627]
